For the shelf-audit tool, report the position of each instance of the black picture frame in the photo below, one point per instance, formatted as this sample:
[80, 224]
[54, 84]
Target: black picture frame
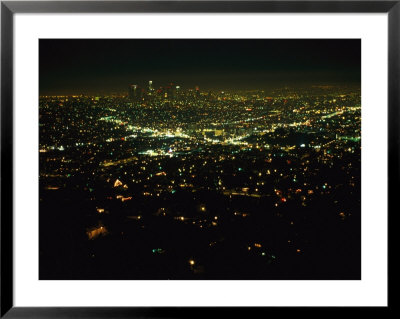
[9, 8]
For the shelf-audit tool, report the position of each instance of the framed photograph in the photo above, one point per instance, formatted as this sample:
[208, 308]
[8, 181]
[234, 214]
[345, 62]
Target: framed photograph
[188, 158]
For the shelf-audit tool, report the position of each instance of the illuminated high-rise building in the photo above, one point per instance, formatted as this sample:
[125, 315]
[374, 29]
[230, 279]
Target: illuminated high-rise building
[150, 86]
[171, 90]
[134, 92]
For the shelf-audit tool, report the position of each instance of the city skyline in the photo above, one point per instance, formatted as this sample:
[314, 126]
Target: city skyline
[177, 181]
[107, 66]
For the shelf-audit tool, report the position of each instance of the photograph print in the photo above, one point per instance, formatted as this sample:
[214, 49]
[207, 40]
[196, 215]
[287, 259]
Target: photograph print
[199, 159]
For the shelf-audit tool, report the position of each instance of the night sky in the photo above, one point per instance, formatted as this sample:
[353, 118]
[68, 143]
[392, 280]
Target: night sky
[88, 66]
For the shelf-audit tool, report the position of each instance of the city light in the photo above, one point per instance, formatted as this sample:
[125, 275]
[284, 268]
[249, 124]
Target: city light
[233, 166]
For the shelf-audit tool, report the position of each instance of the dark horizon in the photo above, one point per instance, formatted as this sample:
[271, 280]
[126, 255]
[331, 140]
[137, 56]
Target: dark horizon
[91, 66]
